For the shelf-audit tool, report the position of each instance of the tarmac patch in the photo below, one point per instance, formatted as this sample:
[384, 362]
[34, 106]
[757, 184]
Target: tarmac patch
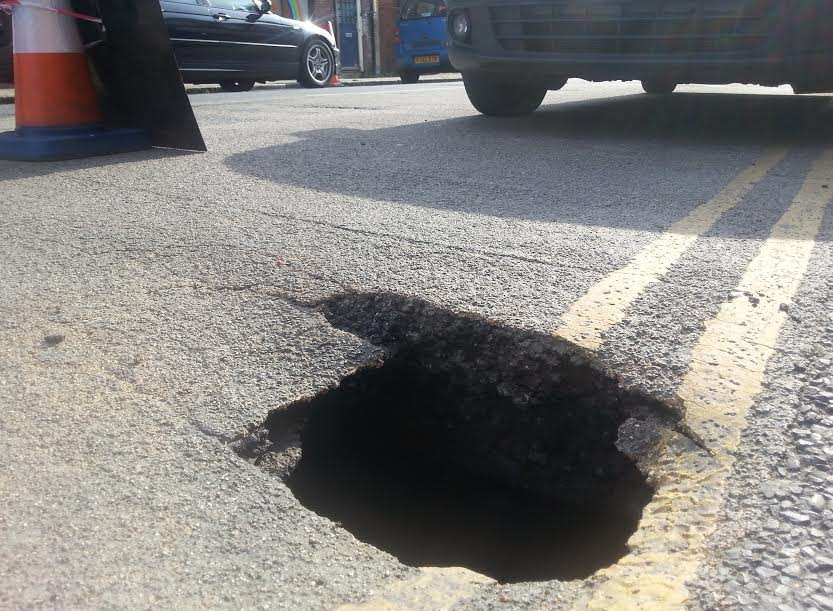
[50, 341]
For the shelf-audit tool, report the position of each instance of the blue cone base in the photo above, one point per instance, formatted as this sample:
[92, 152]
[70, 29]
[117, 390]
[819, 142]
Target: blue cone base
[57, 143]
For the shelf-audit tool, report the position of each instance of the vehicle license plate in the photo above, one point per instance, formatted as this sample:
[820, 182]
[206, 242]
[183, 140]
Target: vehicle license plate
[427, 59]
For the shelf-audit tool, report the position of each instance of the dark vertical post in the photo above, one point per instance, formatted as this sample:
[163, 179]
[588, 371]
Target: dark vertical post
[139, 74]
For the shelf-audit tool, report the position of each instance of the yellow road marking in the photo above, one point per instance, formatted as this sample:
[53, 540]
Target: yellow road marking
[725, 375]
[433, 589]
[605, 303]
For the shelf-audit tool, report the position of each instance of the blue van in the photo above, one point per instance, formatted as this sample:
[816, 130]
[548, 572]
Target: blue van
[422, 35]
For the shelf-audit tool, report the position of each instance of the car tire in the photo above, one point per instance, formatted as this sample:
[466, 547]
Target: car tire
[409, 78]
[658, 86]
[500, 97]
[317, 64]
[237, 85]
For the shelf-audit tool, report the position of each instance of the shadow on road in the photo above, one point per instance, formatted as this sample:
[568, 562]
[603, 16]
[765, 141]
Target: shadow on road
[633, 161]
[689, 119]
[12, 170]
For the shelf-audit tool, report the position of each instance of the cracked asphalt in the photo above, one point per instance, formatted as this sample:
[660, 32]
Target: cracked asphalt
[156, 306]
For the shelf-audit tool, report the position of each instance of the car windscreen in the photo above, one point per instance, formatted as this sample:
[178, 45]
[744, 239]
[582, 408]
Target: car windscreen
[421, 9]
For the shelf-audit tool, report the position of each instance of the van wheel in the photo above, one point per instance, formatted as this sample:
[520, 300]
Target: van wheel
[244, 85]
[409, 78]
[658, 86]
[501, 97]
[317, 64]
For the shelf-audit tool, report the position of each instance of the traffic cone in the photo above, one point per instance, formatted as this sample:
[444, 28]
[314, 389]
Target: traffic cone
[57, 112]
[335, 79]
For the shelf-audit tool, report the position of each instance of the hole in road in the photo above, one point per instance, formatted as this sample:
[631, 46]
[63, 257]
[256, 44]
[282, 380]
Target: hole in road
[470, 445]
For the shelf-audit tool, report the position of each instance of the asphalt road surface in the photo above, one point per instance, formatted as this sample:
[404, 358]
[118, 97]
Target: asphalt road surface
[154, 307]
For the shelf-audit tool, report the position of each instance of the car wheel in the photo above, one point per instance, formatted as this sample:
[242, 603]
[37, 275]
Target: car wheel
[243, 85]
[317, 64]
[501, 97]
[658, 86]
[409, 78]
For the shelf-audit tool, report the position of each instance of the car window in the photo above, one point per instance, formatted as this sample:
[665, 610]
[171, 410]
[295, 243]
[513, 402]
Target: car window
[248, 6]
[420, 9]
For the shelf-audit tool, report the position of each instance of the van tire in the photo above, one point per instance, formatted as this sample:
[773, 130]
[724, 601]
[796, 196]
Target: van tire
[409, 78]
[500, 97]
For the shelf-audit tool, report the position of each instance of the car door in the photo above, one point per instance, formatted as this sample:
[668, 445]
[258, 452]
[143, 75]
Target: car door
[190, 28]
[284, 38]
[264, 45]
[348, 33]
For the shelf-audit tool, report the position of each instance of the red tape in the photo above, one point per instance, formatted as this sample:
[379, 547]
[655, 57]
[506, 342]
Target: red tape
[7, 6]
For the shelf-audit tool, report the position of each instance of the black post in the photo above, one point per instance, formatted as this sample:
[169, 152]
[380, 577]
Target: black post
[141, 82]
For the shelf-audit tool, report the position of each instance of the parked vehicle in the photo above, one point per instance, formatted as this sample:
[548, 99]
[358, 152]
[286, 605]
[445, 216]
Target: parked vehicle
[237, 43]
[512, 51]
[423, 34]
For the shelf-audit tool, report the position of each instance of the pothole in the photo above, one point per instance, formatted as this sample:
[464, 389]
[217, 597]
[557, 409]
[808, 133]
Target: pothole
[471, 444]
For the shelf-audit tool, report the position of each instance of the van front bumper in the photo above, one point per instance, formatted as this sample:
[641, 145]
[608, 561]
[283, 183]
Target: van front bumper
[812, 68]
[768, 42]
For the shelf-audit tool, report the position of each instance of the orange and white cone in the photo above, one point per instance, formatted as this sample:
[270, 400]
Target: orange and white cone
[57, 110]
[335, 79]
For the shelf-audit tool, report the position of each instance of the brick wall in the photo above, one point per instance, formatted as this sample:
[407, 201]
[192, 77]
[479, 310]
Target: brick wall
[322, 11]
[388, 19]
[313, 9]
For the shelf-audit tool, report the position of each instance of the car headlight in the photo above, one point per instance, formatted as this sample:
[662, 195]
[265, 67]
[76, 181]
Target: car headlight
[460, 26]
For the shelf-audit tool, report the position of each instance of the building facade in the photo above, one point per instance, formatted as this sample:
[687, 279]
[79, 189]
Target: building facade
[365, 29]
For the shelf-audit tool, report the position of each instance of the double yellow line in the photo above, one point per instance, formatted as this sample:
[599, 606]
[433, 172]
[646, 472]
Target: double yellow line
[725, 375]
[604, 305]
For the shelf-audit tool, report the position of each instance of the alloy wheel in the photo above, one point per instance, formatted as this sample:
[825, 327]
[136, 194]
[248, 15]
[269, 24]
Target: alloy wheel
[319, 64]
